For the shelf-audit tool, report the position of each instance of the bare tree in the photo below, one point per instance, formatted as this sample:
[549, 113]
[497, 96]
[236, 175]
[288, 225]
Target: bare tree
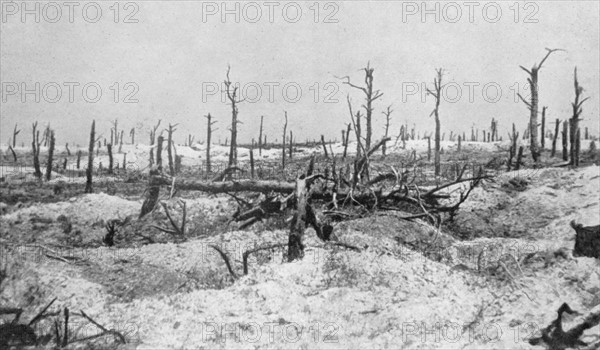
[260, 138]
[370, 97]
[436, 93]
[110, 157]
[556, 128]
[14, 138]
[283, 142]
[532, 105]
[346, 140]
[233, 99]
[50, 156]
[88, 171]
[152, 140]
[387, 114]
[170, 144]
[574, 122]
[543, 145]
[35, 145]
[209, 130]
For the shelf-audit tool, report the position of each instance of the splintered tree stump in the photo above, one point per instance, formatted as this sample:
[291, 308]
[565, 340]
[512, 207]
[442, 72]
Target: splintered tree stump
[153, 193]
[295, 245]
[587, 241]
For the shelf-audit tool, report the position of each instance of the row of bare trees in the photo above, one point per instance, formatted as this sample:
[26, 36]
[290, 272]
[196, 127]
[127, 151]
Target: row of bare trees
[571, 128]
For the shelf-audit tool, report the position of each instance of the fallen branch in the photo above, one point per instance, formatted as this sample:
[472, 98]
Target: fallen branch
[226, 259]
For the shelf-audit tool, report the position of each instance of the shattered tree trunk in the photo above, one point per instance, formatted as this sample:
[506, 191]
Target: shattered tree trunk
[153, 192]
[260, 138]
[565, 142]
[232, 96]
[90, 166]
[387, 114]
[159, 153]
[291, 144]
[110, 158]
[347, 141]
[574, 122]
[35, 144]
[324, 146]
[209, 125]
[532, 105]
[171, 130]
[295, 245]
[556, 128]
[283, 143]
[50, 156]
[587, 241]
[543, 143]
[436, 93]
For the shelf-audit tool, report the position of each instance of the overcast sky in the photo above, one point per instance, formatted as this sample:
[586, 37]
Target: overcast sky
[175, 54]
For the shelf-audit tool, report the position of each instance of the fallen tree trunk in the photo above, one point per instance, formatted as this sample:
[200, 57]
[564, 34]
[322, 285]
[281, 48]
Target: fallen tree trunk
[227, 186]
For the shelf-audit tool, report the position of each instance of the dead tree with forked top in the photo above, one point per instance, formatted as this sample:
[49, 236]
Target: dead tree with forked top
[437, 94]
[532, 104]
[574, 121]
[370, 97]
[387, 113]
[152, 140]
[233, 99]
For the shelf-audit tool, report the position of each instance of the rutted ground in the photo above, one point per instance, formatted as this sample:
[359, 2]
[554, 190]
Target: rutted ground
[180, 295]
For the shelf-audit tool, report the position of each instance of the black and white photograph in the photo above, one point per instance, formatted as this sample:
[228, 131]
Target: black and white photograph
[310, 174]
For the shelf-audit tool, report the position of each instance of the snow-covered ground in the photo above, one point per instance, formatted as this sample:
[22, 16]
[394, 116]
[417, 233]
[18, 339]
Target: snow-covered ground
[386, 296]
